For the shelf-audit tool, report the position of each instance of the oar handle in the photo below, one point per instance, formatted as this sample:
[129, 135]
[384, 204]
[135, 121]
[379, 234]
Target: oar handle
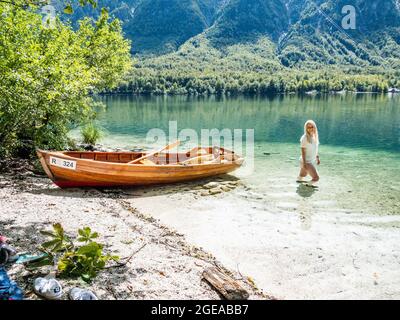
[167, 147]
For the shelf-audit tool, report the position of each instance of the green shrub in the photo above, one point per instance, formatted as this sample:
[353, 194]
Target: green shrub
[90, 134]
[49, 75]
[83, 261]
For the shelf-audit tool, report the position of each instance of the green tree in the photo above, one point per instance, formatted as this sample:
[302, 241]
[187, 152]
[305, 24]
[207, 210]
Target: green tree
[49, 73]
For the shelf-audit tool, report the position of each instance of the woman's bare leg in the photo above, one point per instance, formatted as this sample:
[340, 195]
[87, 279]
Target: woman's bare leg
[303, 172]
[312, 172]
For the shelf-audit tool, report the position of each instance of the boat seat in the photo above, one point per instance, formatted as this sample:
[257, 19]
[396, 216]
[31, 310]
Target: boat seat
[198, 160]
[147, 162]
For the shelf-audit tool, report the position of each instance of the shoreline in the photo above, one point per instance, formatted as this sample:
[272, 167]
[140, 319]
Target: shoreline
[165, 267]
[280, 242]
[311, 93]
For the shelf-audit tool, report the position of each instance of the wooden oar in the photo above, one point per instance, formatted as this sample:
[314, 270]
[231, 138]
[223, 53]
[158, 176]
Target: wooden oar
[168, 147]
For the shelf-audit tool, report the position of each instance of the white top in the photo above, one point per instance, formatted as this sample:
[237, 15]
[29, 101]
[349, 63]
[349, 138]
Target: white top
[311, 149]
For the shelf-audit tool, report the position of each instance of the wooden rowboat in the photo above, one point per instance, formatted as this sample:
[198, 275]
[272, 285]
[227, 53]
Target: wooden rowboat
[107, 169]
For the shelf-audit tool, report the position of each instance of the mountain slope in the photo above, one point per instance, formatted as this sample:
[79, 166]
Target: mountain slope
[160, 26]
[296, 33]
[318, 36]
[245, 20]
[269, 46]
[198, 55]
[211, 8]
[154, 26]
[255, 35]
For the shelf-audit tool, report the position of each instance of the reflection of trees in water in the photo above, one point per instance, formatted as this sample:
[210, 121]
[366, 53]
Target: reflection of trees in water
[345, 120]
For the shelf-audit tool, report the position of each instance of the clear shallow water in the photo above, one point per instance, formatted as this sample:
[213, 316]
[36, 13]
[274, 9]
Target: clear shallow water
[359, 134]
[340, 241]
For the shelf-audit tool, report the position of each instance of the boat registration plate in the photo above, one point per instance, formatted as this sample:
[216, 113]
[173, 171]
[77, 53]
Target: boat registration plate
[67, 164]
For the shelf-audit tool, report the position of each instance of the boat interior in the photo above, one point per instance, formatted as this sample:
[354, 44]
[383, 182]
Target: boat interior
[198, 155]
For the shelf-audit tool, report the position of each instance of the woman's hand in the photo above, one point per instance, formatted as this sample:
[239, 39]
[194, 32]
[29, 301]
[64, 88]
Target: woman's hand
[318, 161]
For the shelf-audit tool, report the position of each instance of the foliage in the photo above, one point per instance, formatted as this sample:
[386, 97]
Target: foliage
[83, 261]
[174, 83]
[90, 134]
[252, 68]
[47, 74]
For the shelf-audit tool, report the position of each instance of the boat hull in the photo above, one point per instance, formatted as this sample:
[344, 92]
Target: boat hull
[68, 171]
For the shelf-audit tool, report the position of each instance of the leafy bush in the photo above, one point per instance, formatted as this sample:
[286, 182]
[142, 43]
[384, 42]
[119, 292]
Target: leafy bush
[90, 134]
[49, 74]
[83, 261]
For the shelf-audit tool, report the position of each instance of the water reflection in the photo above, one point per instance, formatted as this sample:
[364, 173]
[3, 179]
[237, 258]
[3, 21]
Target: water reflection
[360, 139]
[305, 191]
[349, 120]
[305, 208]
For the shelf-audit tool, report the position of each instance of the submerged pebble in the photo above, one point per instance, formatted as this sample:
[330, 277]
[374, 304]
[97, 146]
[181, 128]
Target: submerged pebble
[215, 190]
[211, 185]
[225, 188]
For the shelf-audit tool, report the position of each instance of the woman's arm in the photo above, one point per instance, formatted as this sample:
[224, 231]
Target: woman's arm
[317, 157]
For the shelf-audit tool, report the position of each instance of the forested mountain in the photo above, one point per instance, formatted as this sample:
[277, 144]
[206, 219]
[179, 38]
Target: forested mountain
[246, 20]
[211, 8]
[163, 25]
[260, 38]
[300, 32]
[318, 35]
[156, 26]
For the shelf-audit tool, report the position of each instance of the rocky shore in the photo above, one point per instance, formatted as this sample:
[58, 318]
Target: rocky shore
[163, 264]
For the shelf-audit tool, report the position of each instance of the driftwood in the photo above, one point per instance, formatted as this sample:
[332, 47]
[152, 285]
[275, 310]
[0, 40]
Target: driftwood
[225, 285]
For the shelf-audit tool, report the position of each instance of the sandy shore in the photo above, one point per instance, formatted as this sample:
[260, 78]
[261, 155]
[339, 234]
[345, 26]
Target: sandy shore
[166, 266]
[294, 247]
[291, 243]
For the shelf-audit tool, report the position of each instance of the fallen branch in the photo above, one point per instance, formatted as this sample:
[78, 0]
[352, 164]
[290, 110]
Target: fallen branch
[121, 264]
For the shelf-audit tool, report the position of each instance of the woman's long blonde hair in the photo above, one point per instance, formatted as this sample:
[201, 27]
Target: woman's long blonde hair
[309, 138]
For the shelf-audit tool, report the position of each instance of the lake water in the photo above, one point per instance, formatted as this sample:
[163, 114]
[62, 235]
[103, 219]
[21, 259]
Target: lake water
[339, 241]
[359, 135]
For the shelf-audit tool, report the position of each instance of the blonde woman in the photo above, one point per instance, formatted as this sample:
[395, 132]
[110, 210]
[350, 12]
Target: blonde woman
[309, 153]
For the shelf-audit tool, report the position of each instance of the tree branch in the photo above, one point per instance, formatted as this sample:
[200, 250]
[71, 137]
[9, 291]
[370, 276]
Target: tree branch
[127, 258]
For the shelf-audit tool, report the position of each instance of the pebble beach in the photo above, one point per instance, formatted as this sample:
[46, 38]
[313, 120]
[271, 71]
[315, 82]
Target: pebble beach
[162, 264]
